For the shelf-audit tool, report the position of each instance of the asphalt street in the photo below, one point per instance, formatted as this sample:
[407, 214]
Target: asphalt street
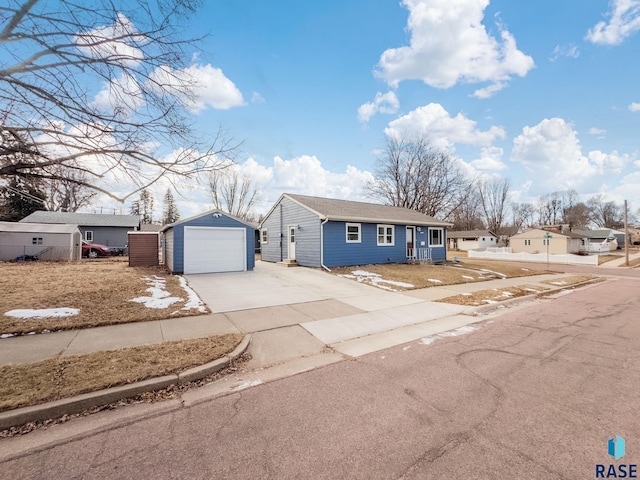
[534, 393]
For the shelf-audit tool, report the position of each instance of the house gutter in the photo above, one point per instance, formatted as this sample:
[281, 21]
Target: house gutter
[322, 245]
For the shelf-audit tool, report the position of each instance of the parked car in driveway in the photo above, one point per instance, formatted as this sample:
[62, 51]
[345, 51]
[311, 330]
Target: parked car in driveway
[95, 250]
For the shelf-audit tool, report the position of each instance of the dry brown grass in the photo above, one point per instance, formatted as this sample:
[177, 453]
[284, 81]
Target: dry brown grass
[63, 377]
[422, 275]
[607, 258]
[632, 263]
[567, 281]
[496, 295]
[100, 289]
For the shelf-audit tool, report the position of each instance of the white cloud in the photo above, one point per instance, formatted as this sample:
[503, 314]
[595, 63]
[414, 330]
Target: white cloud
[569, 51]
[122, 95]
[199, 86]
[101, 42]
[257, 98]
[634, 107]
[596, 131]
[449, 44]
[443, 129]
[382, 103]
[490, 160]
[624, 21]
[552, 154]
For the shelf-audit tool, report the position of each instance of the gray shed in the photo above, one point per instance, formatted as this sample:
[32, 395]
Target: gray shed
[211, 242]
[36, 241]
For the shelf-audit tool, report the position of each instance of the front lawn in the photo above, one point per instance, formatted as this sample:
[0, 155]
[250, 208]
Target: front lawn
[91, 293]
[410, 276]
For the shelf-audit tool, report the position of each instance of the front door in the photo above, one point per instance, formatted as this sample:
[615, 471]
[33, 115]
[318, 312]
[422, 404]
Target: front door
[292, 242]
[411, 242]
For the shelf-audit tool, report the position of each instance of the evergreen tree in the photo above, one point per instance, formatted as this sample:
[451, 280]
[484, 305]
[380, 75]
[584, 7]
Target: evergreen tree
[20, 198]
[170, 212]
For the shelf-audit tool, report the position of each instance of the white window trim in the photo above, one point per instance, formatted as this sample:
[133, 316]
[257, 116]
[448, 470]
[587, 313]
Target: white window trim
[393, 235]
[346, 230]
[264, 236]
[441, 230]
[87, 234]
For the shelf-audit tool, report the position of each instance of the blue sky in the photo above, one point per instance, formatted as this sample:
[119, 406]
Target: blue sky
[545, 93]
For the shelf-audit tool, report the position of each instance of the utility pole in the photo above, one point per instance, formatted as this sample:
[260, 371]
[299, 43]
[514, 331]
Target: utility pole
[626, 236]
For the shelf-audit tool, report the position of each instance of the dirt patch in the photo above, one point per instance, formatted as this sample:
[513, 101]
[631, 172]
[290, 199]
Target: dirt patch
[398, 277]
[101, 290]
[567, 281]
[63, 377]
[496, 295]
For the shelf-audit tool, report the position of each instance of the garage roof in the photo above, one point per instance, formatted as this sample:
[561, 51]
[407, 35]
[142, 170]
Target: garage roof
[84, 219]
[18, 227]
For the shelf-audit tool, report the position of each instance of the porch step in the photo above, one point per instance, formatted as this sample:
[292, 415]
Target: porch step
[288, 263]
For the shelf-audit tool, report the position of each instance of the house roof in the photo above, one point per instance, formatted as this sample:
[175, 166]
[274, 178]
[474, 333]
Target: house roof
[508, 231]
[348, 211]
[83, 219]
[469, 233]
[539, 233]
[18, 227]
[600, 233]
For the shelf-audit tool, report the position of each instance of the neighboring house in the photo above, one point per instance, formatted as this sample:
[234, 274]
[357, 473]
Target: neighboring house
[536, 240]
[109, 230]
[471, 240]
[36, 241]
[505, 234]
[606, 238]
[211, 242]
[324, 232]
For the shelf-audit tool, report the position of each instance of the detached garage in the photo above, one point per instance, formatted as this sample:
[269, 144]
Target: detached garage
[212, 242]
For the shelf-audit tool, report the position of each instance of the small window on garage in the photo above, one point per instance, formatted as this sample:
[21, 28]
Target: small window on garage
[353, 232]
[88, 235]
[36, 241]
[436, 237]
[264, 237]
[385, 235]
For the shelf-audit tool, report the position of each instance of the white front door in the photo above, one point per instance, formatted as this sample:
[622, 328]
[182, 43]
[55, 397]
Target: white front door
[411, 242]
[292, 242]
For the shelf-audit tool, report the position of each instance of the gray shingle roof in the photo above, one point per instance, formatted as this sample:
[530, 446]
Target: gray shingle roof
[348, 211]
[37, 227]
[84, 219]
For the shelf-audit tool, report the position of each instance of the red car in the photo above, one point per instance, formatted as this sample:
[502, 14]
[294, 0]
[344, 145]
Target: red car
[95, 250]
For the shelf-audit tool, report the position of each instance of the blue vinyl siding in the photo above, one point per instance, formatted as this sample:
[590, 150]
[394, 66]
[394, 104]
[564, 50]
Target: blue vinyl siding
[208, 220]
[337, 252]
[286, 213]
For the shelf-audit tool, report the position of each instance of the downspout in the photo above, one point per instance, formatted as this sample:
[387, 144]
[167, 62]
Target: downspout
[322, 245]
[281, 235]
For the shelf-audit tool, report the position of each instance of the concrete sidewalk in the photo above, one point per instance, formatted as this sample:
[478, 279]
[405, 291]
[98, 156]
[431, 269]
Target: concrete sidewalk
[354, 325]
[619, 262]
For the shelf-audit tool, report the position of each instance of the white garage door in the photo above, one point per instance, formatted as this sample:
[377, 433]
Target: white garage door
[211, 250]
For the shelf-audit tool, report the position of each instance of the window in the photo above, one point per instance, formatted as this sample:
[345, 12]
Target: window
[88, 235]
[264, 237]
[527, 242]
[436, 237]
[36, 241]
[385, 235]
[545, 241]
[353, 233]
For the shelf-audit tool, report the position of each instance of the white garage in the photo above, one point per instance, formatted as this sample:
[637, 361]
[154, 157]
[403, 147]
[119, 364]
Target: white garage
[212, 242]
[213, 250]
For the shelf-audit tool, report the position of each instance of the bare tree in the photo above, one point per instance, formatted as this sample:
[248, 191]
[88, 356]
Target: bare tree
[100, 87]
[68, 192]
[524, 215]
[468, 216]
[605, 214]
[416, 175]
[493, 195]
[143, 206]
[233, 194]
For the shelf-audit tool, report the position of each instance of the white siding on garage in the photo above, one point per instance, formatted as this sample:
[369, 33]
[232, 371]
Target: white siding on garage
[212, 250]
[168, 249]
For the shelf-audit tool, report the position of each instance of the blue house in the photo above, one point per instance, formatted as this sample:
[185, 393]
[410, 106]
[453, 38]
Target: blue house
[211, 242]
[324, 232]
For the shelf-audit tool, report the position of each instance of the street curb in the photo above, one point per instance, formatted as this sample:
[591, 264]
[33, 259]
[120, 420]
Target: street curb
[483, 309]
[86, 401]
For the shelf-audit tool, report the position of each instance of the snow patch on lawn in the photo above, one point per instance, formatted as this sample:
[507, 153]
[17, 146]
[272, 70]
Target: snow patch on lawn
[495, 273]
[159, 297]
[42, 313]
[7, 335]
[434, 280]
[507, 294]
[559, 283]
[375, 279]
[467, 277]
[489, 301]
[193, 301]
